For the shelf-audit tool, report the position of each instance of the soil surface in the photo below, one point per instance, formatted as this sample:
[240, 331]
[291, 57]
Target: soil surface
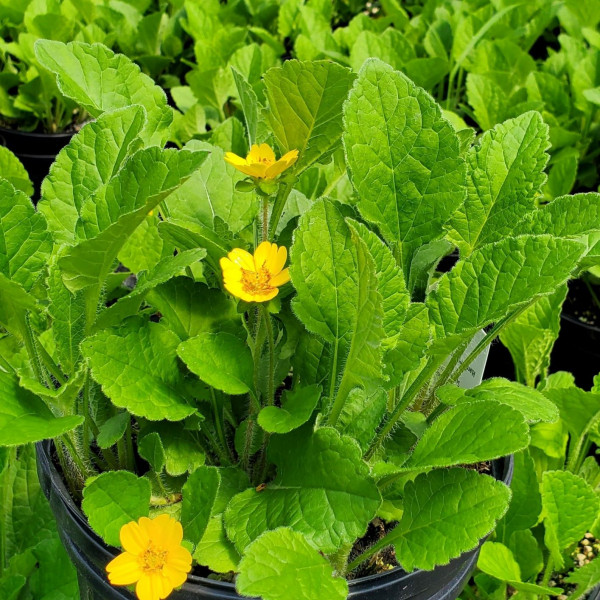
[580, 303]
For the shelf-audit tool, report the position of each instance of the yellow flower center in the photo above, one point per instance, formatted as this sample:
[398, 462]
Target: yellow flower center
[256, 282]
[153, 559]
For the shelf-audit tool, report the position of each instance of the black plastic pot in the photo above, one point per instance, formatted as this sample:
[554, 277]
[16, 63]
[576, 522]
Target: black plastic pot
[90, 556]
[36, 151]
[577, 350]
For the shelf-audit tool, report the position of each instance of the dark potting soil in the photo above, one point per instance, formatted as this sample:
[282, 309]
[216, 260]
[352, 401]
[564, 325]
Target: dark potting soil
[73, 127]
[580, 303]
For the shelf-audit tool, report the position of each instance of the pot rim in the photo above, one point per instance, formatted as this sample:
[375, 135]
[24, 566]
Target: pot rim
[195, 582]
[34, 135]
[575, 321]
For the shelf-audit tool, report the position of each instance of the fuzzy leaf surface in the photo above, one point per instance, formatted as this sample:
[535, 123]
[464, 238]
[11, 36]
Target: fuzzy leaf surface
[137, 367]
[282, 565]
[403, 158]
[323, 490]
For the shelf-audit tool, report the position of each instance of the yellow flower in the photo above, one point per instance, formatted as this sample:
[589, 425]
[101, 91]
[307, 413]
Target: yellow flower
[255, 278]
[153, 557]
[260, 162]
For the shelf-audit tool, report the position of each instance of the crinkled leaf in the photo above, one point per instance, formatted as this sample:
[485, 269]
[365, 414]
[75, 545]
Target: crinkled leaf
[585, 577]
[362, 415]
[15, 303]
[25, 243]
[470, 433]
[305, 107]
[323, 490]
[86, 164]
[531, 336]
[137, 367]
[189, 308]
[112, 500]
[113, 430]
[497, 560]
[215, 550]
[391, 284]
[506, 173]
[454, 507]
[497, 279]
[100, 80]
[526, 503]
[147, 173]
[250, 105]
[24, 418]
[221, 360]
[296, 408]
[282, 565]
[569, 509]
[198, 498]
[403, 157]
[533, 405]
[13, 171]
[211, 192]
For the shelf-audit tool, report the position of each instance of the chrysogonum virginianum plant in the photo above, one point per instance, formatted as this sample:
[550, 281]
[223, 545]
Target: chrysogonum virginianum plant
[550, 528]
[151, 330]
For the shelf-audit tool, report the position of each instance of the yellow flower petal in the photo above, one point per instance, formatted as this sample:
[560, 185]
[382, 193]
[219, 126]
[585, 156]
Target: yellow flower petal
[277, 260]
[242, 259]
[166, 531]
[276, 169]
[280, 279]
[235, 160]
[261, 255]
[261, 153]
[290, 157]
[124, 569]
[154, 586]
[179, 559]
[133, 538]
[175, 577]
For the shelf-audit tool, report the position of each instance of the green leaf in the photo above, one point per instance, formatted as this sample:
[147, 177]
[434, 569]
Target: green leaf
[146, 174]
[250, 105]
[91, 260]
[586, 578]
[506, 173]
[211, 192]
[497, 279]
[55, 577]
[578, 409]
[15, 303]
[215, 550]
[25, 243]
[100, 80]
[137, 367]
[498, 561]
[533, 405]
[67, 311]
[569, 509]
[282, 565]
[572, 217]
[13, 171]
[24, 418]
[305, 107]
[198, 498]
[172, 446]
[189, 308]
[391, 284]
[221, 360]
[297, 406]
[403, 158]
[470, 433]
[362, 415]
[526, 504]
[113, 430]
[454, 507]
[85, 165]
[112, 500]
[323, 470]
[424, 265]
[527, 552]
[531, 336]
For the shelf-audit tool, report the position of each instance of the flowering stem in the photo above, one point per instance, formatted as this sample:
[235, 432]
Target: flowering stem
[265, 218]
[219, 424]
[278, 206]
[271, 342]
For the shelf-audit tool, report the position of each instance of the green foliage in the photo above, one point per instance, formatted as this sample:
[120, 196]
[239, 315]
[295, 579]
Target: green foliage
[277, 433]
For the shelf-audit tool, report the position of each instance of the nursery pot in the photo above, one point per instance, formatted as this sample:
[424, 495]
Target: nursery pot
[36, 151]
[90, 555]
[577, 350]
